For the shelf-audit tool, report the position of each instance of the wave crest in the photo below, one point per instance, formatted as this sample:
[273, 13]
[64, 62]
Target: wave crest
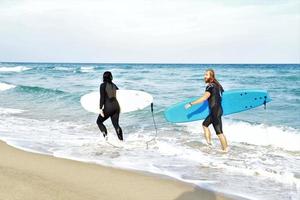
[36, 89]
[257, 134]
[5, 111]
[5, 86]
[14, 69]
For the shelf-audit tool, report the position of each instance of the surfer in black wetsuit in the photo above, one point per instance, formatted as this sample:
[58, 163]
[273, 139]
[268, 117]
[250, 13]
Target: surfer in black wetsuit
[213, 93]
[109, 105]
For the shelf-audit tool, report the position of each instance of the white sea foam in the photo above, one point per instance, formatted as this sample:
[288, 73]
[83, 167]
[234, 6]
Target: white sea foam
[168, 155]
[87, 69]
[5, 86]
[14, 69]
[5, 111]
[64, 68]
[256, 134]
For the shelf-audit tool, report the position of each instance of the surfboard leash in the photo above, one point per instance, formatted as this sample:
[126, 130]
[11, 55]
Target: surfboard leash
[154, 123]
[113, 145]
[265, 103]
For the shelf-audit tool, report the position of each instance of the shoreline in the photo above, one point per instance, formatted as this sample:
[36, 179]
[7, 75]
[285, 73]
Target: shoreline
[26, 175]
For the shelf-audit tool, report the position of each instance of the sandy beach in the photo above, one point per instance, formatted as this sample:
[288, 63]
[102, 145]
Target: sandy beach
[26, 175]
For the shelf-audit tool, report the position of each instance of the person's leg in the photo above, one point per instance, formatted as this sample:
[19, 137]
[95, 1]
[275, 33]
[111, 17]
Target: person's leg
[207, 135]
[223, 141]
[115, 121]
[217, 123]
[206, 130]
[101, 126]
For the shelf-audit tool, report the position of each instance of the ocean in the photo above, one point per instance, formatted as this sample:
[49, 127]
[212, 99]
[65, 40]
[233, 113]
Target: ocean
[40, 111]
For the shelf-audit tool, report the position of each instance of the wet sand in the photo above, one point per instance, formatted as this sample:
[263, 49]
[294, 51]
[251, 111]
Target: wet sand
[30, 176]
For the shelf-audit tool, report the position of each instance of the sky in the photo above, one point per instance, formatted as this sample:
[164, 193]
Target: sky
[150, 31]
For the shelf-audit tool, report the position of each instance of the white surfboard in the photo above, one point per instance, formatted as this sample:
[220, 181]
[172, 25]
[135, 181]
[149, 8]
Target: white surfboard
[129, 100]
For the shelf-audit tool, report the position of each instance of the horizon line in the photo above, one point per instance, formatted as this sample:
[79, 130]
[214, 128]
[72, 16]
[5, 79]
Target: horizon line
[147, 63]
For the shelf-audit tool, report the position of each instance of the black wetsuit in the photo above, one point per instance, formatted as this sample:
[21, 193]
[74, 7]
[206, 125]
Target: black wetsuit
[111, 108]
[215, 108]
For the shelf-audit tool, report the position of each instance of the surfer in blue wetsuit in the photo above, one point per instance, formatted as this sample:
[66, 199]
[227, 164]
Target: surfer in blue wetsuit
[109, 105]
[213, 93]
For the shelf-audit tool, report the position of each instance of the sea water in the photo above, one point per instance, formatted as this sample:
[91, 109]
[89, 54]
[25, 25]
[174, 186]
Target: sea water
[40, 111]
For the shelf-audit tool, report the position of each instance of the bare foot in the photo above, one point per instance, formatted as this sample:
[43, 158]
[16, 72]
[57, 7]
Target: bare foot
[225, 150]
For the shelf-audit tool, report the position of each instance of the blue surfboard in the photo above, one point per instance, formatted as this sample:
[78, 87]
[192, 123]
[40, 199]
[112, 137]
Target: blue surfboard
[233, 101]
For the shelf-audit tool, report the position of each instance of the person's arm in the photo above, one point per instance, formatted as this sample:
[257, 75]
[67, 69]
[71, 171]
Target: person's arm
[206, 95]
[208, 91]
[198, 101]
[201, 99]
[102, 96]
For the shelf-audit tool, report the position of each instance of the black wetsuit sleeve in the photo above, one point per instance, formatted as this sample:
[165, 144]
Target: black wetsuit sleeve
[102, 95]
[116, 87]
[209, 88]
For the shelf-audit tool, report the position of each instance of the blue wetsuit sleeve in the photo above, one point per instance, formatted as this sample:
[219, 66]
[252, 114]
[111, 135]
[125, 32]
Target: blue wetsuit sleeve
[102, 95]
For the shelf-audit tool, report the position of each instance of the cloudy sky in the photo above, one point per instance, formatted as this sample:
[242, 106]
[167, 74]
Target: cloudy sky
[150, 31]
